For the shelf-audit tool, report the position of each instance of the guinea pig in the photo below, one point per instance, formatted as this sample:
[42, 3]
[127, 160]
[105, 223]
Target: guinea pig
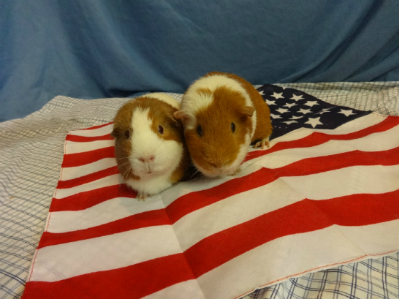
[222, 115]
[149, 144]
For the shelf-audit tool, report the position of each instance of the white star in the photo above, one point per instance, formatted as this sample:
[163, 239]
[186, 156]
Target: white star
[324, 111]
[261, 93]
[270, 102]
[277, 95]
[289, 105]
[346, 112]
[282, 110]
[314, 121]
[304, 111]
[274, 116]
[311, 103]
[296, 117]
[288, 122]
[297, 98]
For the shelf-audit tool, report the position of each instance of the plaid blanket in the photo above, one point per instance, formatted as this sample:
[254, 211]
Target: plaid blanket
[11, 194]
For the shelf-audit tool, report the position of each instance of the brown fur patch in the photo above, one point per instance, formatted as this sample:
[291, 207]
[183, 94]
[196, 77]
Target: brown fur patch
[263, 123]
[219, 146]
[122, 124]
[182, 172]
[161, 114]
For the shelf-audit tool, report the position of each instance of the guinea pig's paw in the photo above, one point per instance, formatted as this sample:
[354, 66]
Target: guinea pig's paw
[141, 196]
[262, 144]
[235, 171]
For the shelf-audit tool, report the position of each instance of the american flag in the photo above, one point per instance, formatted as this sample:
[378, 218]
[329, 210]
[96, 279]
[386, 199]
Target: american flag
[325, 193]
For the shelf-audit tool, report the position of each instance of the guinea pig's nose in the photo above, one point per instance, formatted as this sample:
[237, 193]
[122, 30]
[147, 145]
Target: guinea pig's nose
[147, 159]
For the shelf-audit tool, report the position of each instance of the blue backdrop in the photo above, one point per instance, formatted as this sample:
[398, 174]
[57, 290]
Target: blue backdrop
[93, 48]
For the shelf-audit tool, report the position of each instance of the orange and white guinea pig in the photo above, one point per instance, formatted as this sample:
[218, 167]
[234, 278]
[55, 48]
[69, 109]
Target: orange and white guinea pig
[222, 115]
[149, 144]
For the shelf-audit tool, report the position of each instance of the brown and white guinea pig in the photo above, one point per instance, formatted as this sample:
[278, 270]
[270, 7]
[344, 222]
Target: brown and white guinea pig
[222, 115]
[149, 144]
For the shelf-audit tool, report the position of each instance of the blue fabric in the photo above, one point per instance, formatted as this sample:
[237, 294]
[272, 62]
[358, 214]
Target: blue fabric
[93, 48]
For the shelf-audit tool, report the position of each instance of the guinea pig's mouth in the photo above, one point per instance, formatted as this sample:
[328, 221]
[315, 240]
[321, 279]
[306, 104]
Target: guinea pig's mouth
[213, 170]
[150, 172]
[145, 171]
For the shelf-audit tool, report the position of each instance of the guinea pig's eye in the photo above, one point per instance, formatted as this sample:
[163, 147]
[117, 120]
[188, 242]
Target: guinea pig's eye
[127, 134]
[160, 129]
[233, 127]
[199, 130]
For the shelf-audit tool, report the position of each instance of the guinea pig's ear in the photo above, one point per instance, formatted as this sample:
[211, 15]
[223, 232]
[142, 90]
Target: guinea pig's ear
[184, 116]
[175, 122]
[247, 111]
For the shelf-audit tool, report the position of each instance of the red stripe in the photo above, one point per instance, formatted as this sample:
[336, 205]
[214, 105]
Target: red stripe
[301, 217]
[131, 282]
[97, 127]
[91, 198]
[196, 200]
[79, 159]
[87, 178]
[145, 219]
[76, 138]
[314, 139]
[317, 138]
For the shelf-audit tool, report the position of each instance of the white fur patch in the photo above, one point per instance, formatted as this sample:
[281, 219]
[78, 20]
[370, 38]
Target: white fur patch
[193, 101]
[242, 153]
[165, 98]
[143, 137]
[253, 125]
[152, 186]
[145, 143]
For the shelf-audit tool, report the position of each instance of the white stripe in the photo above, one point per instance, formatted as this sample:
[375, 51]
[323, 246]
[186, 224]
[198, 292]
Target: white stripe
[373, 179]
[94, 132]
[371, 143]
[183, 188]
[297, 254]
[74, 172]
[69, 173]
[232, 211]
[382, 240]
[105, 212]
[81, 147]
[101, 183]
[347, 128]
[248, 205]
[183, 290]
[54, 263]
[282, 157]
